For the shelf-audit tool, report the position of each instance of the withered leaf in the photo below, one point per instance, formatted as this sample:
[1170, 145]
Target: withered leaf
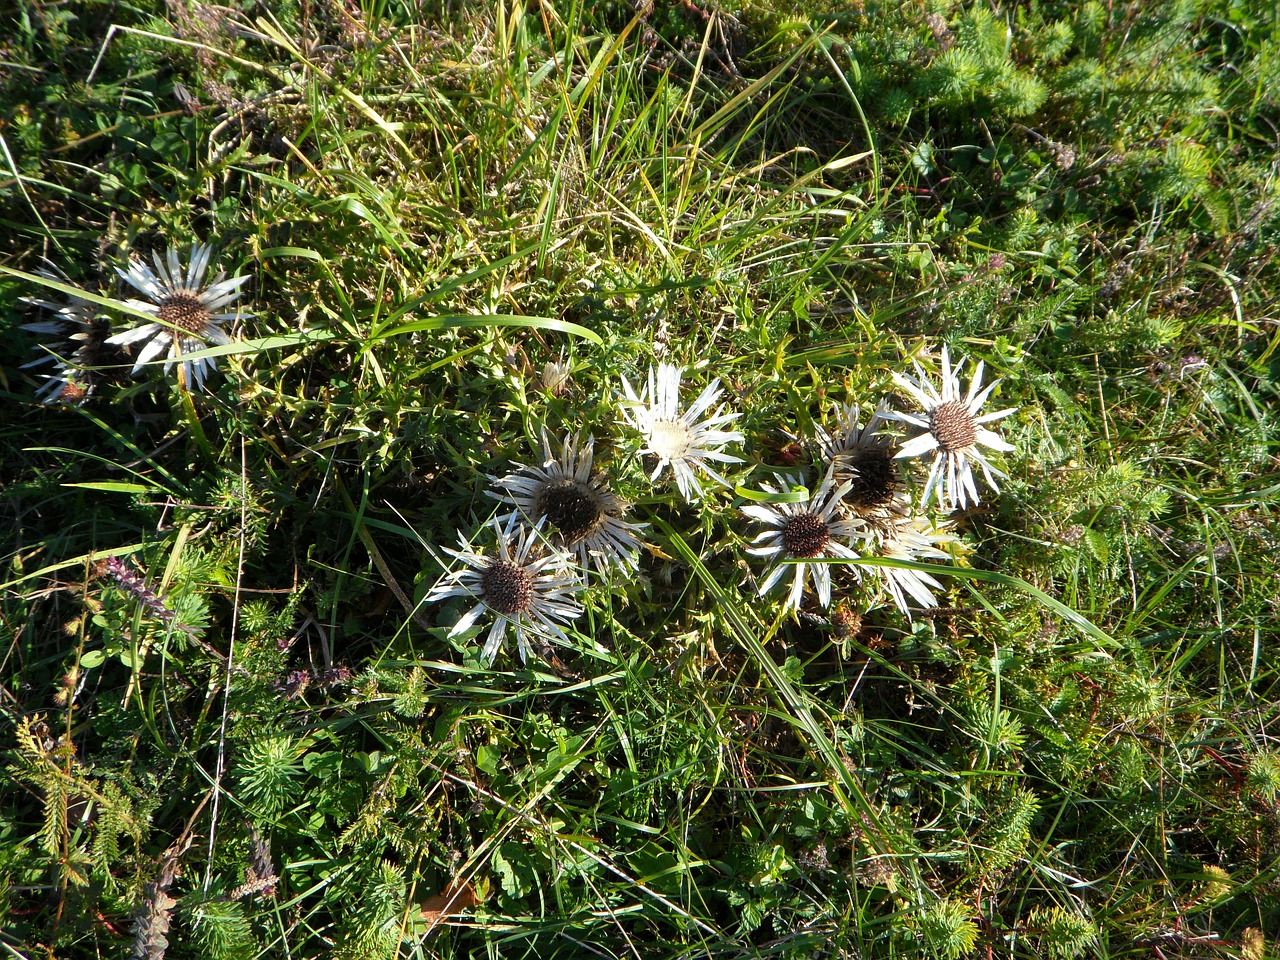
[455, 898]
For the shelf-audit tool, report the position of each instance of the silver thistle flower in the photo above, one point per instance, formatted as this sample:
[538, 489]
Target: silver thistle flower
[76, 343]
[185, 309]
[953, 432]
[568, 501]
[682, 441]
[810, 532]
[522, 586]
[864, 455]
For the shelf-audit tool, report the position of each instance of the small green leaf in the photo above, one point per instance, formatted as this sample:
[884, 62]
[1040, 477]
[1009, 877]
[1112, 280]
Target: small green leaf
[487, 758]
[111, 486]
[795, 495]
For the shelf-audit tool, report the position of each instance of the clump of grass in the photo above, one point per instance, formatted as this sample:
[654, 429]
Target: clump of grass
[465, 231]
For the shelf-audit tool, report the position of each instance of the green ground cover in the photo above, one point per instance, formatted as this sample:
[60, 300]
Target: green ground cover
[239, 716]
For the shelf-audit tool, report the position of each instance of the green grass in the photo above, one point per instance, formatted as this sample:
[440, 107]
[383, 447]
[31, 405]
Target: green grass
[1075, 754]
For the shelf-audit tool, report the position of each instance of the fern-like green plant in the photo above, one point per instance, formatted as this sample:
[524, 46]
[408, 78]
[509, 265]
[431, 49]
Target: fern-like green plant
[411, 699]
[1012, 829]
[267, 773]
[221, 930]
[374, 908]
[949, 929]
[116, 818]
[1063, 934]
[1264, 775]
[999, 730]
[50, 767]
[1018, 94]
[1184, 172]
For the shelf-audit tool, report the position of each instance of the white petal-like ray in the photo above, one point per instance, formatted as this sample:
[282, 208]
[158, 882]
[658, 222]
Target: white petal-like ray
[993, 440]
[915, 539]
[174, 276]
[152, 350]
[467, 620]
[137, 334]
[763, 514]
[918, 446]
[200, 255]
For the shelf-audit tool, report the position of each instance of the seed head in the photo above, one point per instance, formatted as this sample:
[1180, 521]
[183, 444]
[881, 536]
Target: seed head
[572, 508]
[184, 310]
[846, 622]
[805, 535]
[875, 478]
[953, 427]
[506, 588]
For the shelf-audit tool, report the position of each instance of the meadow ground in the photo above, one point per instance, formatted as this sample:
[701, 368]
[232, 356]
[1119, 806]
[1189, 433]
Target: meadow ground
[390, 597]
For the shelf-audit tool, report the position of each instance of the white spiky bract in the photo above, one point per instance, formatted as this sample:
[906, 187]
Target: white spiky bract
[953, 432]
[184, 308]
[682, 441]
[565, 499]
[519, 560]
[69, 334]
[913, 539]
[816, 524]
[851, 436]
[555, 376]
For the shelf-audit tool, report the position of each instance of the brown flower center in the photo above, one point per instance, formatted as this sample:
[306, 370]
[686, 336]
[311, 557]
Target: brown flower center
[846, 622]
[185, 311]
[875, 479]
[805, 535]
[952, 426]
[506, 588]
[72, 392]
[571, 507]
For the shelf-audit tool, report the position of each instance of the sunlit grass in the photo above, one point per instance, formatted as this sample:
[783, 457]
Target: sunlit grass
[274, 746]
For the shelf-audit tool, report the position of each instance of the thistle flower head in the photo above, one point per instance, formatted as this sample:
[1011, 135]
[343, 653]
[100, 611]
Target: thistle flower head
[810, 532]
[75, 342]
[184, 308]
[522, 585]
[954, 432]
[681, 441]
[566, 499]
[864, 455]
